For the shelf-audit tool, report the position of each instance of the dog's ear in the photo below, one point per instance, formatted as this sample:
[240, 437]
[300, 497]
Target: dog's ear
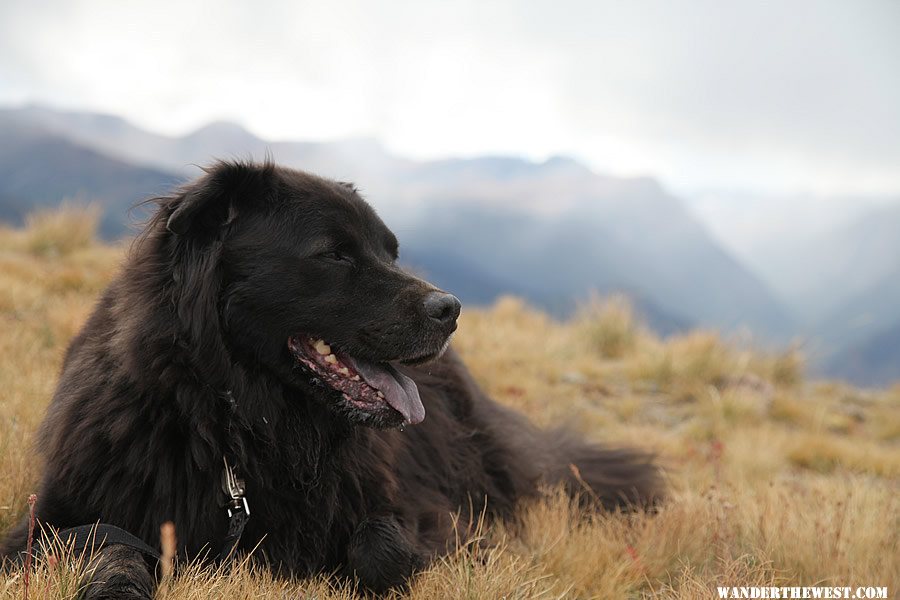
[214, 200]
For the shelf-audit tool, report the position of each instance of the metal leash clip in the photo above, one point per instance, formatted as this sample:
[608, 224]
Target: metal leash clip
[234, 488]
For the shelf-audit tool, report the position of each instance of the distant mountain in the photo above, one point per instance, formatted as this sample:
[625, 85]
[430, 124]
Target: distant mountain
[594, 233]
[39, 169]
[114, 136]
[822, 275]
[478, 286]
[551, 232]
[859, 339]
[844, 285]
[834, 261]
[874, 361]
[765, 229]
[866, 312]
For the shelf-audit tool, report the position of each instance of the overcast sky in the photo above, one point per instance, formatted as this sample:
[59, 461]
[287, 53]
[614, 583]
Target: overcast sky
[780, 96]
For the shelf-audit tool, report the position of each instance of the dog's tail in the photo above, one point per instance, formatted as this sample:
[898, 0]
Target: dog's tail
[599, 476]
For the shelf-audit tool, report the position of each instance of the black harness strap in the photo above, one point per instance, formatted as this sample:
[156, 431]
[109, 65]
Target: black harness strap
[86, 539]
[236, 523]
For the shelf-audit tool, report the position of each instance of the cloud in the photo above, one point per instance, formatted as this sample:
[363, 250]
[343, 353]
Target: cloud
[799, 95]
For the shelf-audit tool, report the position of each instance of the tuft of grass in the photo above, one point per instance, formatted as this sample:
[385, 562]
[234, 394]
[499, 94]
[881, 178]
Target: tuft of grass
[609, 326]
[61, 231]
[775, 480]
[826, 452]
[787, 368]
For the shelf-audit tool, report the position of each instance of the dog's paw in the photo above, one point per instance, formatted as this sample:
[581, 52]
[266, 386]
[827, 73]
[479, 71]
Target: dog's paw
[381, 556]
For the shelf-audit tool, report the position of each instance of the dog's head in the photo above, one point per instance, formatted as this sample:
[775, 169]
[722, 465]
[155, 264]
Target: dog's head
[309, 289]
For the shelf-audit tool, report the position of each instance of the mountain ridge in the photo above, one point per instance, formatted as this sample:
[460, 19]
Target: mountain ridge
[555, 230]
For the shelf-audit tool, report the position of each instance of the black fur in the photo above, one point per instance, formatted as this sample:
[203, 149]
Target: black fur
[185, 360]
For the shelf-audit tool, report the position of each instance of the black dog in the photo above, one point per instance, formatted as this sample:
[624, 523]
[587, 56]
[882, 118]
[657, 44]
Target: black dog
[261, 319]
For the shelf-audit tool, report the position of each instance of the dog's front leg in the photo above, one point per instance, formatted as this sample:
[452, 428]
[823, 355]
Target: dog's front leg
[118, 572]
[381, 556]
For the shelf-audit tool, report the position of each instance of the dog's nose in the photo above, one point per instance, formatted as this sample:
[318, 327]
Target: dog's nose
[442, 307]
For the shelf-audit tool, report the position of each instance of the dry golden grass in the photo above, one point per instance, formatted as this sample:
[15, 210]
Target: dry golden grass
[774, 480]
[61, 230]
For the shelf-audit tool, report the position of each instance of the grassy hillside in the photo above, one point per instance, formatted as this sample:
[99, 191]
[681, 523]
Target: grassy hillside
[775, 480]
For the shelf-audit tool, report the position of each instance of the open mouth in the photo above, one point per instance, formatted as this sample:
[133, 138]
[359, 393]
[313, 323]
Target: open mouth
[367, 386]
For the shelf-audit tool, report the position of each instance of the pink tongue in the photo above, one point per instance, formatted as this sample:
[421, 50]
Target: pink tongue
[399, 390]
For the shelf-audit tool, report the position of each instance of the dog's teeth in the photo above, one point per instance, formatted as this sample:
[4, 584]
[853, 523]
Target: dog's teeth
[344, 371]
[380, 395]
[331, 358]
[322, 348]
[355, 378]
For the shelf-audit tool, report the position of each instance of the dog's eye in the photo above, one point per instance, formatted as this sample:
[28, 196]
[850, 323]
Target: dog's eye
[336, 256]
